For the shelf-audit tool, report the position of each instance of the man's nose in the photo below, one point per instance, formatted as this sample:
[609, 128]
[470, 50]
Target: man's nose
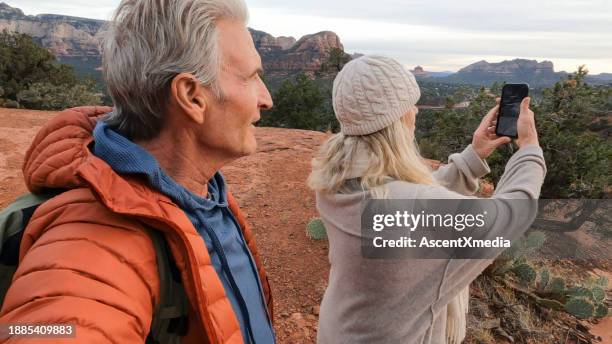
[265, 99]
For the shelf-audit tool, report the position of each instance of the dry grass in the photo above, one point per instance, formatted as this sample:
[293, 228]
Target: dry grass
[480, 336]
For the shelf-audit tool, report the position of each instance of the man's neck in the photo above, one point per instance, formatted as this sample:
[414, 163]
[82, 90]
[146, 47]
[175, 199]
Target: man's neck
[185, 162]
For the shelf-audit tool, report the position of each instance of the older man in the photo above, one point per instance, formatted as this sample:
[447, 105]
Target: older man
[184, 76]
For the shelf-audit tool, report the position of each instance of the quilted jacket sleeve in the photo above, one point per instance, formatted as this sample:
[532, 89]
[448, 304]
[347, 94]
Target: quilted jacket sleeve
[101, 278]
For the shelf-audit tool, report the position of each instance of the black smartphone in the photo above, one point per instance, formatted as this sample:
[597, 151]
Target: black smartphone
[510, 108]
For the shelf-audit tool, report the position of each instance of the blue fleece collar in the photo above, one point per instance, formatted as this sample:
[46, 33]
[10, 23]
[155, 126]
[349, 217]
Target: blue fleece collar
[124, 156]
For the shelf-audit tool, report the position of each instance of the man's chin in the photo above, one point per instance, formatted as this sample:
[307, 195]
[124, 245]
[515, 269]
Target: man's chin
[249, 147]
[249, 151]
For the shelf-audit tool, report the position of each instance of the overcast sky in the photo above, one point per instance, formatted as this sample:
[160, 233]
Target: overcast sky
[439, 35]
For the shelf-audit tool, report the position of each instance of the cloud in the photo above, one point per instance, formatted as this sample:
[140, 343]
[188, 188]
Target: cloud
[101, 9]
[569, 33]
[442, 34]
[477, 15]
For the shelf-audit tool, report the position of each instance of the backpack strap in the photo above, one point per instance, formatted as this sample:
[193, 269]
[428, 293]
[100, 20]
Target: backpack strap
[170, 320]
[13, 220]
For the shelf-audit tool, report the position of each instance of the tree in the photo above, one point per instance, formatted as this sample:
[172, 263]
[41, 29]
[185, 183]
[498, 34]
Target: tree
[449, 102]
[300, 104]
[30, 73]
[571, 119]
[334, 61]
[46, 96]
[578, 157]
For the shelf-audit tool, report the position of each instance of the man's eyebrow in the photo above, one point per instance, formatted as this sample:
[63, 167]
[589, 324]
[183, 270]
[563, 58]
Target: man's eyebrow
[259, 71]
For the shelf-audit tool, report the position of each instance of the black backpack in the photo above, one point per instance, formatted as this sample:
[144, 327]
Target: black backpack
[169, 321]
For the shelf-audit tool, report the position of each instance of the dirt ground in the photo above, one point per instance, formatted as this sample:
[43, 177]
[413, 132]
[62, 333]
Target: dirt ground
[270, 187]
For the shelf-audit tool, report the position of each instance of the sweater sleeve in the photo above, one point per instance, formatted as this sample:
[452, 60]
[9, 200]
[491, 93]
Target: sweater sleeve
[85, 274]
[523, 177]
[463, 171]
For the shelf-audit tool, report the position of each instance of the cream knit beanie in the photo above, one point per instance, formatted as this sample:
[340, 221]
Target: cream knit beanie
[372, 92]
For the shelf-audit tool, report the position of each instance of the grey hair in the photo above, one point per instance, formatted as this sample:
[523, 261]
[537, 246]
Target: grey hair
[148, 43]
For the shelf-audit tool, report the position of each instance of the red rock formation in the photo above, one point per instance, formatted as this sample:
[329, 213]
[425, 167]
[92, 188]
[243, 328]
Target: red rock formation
[306, 55]
[418, 71]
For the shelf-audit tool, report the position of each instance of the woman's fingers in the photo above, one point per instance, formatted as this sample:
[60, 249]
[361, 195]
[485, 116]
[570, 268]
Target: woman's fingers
[502, 140]
[490, 117]
[492, 113]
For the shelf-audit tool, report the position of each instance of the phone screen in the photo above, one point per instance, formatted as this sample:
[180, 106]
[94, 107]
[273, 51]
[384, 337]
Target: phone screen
[510, 108]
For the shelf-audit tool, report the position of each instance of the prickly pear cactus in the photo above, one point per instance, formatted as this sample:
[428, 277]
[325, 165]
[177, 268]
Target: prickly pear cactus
[557, 286]
[544, 279]
[535, 240]
[316, 230]
[579, 292]
[579, 307]
[525, 272]
[514, 252]
[601, 310]
[522, 248]
[602, 281]
[598, 294]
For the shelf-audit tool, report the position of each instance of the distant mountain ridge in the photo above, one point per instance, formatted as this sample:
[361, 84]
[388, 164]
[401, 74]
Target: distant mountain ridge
[532, 72]
[514, 71]
[77, 41]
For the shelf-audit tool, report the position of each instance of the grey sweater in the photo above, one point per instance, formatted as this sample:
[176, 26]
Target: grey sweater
[405, 300]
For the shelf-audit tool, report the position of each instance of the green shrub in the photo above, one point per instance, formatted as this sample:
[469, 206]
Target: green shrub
[300, 103]
[32, 78]
[576, 152]
[46, 96]
[11, 104]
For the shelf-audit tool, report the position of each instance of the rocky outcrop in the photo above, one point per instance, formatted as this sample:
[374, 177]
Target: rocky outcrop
[321, 41]
[305, 55]
[264, 42]
[64, 36]
[9, 12]
[419, 72]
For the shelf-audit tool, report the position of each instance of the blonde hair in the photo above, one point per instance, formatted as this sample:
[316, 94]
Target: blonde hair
[392, 153]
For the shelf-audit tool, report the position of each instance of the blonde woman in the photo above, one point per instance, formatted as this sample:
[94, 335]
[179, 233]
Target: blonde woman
[375, 156]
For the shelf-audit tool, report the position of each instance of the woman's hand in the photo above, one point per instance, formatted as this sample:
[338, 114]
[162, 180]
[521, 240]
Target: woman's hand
[526, 128]
[485, 141]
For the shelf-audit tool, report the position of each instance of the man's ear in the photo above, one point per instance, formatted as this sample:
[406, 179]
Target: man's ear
[188, 94]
